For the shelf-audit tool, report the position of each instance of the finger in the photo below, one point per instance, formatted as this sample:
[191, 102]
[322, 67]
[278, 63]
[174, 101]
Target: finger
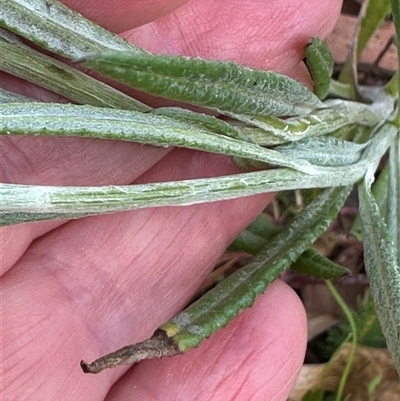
[121, 15]
[263, 34]
[15, 240]
[256, 357]
[99, 283]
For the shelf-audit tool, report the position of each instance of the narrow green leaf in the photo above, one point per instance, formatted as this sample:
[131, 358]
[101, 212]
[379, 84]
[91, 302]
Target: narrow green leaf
[255, 235]
[263, 226]
[203, 121]
[55, 27]
[336, 115]
[24, 62]
[376, 13]
[393, 197]
[146, 128]
[349, 316]
[319, 62]
[382, 268]
[380, 193]
[392, 87]
[309, 262]
[218, 85]
[248, 242]
[25, 200]
[224, 302]
[312, 263]
[69, 201]
[324, 151]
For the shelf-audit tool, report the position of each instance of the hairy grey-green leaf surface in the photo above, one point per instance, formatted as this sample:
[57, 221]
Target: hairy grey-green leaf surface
[146, 128]
[11, 97]
[239, 291]
[33, 199]
[220, 85]
[29, 64]
[382, 268]
[324, 151]
[55, 27]
[393, 195]
[319, 62]
[336, 114]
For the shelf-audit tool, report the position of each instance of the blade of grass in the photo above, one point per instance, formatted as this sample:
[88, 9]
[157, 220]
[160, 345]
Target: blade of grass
[350, 319]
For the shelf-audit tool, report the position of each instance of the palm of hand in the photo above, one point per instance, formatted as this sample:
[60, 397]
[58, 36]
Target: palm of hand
[83, 288]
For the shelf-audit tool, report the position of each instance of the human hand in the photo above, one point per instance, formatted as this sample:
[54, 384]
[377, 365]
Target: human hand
[83, 288]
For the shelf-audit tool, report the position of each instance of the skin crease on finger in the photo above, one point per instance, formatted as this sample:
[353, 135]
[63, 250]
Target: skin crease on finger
[65, 305]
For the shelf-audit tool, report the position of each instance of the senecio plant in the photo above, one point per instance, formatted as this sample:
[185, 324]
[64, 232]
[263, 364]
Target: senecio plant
[282, 136]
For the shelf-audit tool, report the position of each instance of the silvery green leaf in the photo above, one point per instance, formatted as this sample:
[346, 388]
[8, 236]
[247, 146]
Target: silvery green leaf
[26, 202]
[24, 62]
[203, 121]
[11, 97]
[382, 268]
[336, 115]
[324, 151]
[55, 27]
[211, 123]
[30, 200]
[393, 196]
[219, 85]
[380, 194]
[237, 292]
[147, 128]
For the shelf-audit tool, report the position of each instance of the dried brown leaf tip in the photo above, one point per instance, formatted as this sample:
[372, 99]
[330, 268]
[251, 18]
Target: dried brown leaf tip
[157, 346]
